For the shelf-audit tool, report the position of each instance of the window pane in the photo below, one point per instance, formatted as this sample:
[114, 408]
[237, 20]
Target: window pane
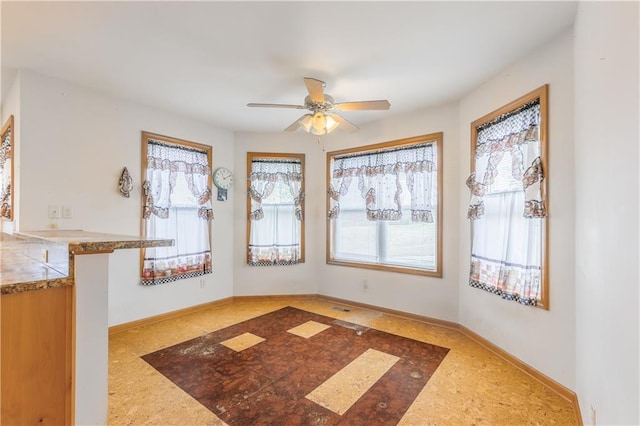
[182, 195]
[172, 211]
[281, 195]
[356, 237]
[384, 206]
[504, 181]
[275, 205]
[509, 232]
[411, 244]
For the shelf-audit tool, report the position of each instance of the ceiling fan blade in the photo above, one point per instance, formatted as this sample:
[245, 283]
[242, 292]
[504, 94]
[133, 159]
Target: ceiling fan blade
[349, 126]
[315, 88]
[362, 105]
[276, 106]
[293, 127]
[304, 121]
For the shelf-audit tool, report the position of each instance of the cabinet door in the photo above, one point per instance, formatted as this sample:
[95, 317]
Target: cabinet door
[36, 361]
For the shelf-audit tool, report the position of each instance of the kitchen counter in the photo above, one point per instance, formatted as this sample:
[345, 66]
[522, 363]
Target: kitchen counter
[35, 260]
[20, 272]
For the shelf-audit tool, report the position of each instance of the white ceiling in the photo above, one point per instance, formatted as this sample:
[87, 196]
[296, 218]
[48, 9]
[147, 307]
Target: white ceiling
[207, 60]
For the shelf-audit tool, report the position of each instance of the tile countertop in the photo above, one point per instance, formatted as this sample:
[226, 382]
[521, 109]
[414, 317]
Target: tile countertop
[23, 269]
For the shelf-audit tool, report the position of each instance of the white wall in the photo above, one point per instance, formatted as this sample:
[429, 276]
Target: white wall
[543, 339]
[606, 220]
[74, 145]
[294, 279]
[427, 296]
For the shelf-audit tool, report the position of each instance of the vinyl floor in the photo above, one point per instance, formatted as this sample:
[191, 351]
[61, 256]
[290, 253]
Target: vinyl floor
[290, 361]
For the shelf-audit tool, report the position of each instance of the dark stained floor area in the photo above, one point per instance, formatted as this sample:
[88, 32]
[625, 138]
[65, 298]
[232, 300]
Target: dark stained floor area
[267, 383]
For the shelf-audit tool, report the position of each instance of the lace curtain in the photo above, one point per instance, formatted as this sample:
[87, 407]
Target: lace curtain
[276, 212]
[378, 180]
[517, 135]
[177, 206]
[507, 206]
[5, 172]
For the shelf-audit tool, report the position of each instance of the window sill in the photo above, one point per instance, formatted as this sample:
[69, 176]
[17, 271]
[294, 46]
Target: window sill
[387, 268]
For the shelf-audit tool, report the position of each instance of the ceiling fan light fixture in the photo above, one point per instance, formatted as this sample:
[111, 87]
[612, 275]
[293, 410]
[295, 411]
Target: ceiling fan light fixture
[319, 123]
[331, 124]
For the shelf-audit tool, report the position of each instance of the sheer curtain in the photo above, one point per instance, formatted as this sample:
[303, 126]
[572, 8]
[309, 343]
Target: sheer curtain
[507, 207]
[276, 212]
[177, 206]
[6, 159]
[378, 177]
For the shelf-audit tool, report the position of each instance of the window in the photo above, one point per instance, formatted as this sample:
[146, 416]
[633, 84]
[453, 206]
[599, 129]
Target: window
[384, 205]
[275, 209]
[176, 205]
[507, 207]
[6, 170]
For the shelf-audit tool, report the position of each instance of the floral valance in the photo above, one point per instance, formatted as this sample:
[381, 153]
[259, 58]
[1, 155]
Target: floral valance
[265, 173]
[507, 158]
[379, 181]
[164, 163]
[176, 158]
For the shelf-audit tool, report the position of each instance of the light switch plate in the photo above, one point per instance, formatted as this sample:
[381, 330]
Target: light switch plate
[67, 212]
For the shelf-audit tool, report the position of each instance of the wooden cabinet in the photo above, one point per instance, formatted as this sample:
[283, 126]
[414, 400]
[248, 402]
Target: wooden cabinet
[36, 357]
[54, 341]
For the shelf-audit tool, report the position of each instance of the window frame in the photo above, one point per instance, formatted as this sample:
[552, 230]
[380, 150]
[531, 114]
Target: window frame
[276, 156]
[541, 93]
[179, 143]
[437, 139]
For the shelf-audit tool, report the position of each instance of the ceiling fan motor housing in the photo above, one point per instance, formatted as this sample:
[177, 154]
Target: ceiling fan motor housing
[326, 105]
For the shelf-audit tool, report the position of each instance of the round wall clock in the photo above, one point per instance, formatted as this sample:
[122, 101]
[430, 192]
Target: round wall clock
[222, 178]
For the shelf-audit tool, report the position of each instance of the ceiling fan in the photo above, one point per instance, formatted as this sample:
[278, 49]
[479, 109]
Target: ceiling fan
[323, 117]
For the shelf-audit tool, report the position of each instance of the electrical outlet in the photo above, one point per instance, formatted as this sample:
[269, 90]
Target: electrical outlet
[202, 283]
[54, 212]
[365, 285]
[67, 212]
[593, 415]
